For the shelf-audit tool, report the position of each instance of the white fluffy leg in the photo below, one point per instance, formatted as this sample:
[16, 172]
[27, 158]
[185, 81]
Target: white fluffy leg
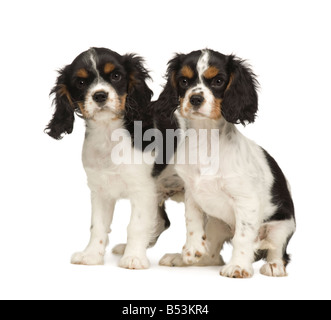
[140, 230]
[196, 240]
[276, 235]
[102, 216]
[246, 232]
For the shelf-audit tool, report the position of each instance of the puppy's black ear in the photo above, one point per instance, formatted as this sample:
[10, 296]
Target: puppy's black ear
[63, 117]
[139, 94]
[168, 102]
[240, 103]
[163, 111]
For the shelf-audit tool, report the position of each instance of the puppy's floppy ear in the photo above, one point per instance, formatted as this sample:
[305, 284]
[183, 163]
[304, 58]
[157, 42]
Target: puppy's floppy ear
[163, 110]
[63, 117]
[240, 102]
[168, 103]
[139, 94]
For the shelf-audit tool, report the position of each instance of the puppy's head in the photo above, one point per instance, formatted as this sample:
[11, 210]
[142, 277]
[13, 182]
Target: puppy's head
[209, 85]
[99, 84]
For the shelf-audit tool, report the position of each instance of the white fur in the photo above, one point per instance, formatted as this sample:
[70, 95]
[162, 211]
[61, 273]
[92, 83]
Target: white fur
[112, 176]
[238, 194]
[110, 182]
[94, 63]
[228, 196]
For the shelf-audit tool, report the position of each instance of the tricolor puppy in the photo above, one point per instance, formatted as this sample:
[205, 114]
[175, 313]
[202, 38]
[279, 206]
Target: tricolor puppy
[247, 198]
[110, 92]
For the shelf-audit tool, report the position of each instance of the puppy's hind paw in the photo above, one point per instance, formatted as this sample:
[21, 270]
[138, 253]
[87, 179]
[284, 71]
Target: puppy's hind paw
[274, 270]
[172, 260]
[119, 249]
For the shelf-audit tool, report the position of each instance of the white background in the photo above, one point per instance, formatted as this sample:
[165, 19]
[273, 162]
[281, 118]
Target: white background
[45, 206]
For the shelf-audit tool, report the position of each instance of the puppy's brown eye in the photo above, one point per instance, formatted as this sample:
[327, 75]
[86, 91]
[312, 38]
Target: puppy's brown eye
[80, 84]
[184, 83]
[217, 82]
[116, 77]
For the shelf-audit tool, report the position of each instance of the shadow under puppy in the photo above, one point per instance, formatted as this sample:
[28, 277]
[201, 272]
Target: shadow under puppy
[242, 191]
[110, 93]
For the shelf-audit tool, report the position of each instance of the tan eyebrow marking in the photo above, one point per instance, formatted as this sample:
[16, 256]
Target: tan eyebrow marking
[187, 72]
[82, 73]
[109, 67]
[211, 72]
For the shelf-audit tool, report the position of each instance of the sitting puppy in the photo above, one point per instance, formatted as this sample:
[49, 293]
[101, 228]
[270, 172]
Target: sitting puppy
[242, 190]
[110, 92]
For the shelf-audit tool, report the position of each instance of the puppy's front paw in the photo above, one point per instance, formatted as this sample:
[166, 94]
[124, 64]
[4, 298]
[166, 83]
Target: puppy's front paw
[194, 250]
[134, 263]
[276, 269]
[88, 259]
[235, 271]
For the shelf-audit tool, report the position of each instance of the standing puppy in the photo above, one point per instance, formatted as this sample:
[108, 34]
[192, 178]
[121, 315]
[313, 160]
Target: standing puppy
[241, 189]
[109, 91]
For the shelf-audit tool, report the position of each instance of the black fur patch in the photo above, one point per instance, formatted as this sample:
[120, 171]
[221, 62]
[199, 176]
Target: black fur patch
[240, 102]
[281, 196]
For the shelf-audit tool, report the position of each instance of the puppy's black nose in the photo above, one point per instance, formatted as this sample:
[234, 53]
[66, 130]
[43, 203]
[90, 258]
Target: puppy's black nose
[197, 100]
[100, 96]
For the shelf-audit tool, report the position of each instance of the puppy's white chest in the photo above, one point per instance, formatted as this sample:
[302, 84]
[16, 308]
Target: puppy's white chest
[203, 184]
[97, 154]
[104, 174]
[210, 191]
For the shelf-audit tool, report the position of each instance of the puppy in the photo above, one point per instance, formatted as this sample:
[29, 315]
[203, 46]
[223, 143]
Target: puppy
[110, 93]
[242, 190]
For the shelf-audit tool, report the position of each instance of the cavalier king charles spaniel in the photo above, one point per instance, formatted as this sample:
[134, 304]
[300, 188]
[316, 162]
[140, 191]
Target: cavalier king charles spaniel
[240, 195]
[110, 93]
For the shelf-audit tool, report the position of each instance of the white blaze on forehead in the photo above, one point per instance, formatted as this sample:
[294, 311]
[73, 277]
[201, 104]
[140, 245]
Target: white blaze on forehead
[113, 102]
[99, 84]
[203, 64]
[200, 88]
[94, 63]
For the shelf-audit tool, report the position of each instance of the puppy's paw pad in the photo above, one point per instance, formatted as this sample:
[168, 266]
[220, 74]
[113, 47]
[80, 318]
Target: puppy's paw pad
[88, 259]
[274, 270]
[172, 260]
[119, 249]
[235, 271]
[134, 263]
